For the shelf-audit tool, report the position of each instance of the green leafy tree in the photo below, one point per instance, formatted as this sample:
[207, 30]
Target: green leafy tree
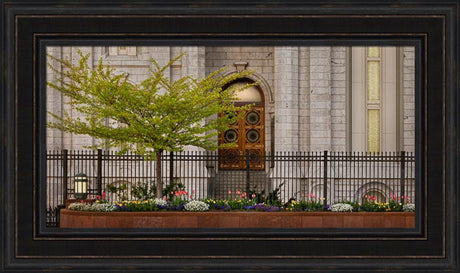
[148, 118]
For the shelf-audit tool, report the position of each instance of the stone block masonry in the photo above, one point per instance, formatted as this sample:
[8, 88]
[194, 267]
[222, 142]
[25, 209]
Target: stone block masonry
[338, 98]
[320, 99]
[408, 90]
[286, 98]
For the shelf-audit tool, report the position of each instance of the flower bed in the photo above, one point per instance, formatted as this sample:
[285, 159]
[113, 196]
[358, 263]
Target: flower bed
[241, 203]
[240, 211]
[236, 219]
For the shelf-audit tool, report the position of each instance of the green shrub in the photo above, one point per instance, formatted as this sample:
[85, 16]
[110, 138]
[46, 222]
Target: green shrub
[143, 191]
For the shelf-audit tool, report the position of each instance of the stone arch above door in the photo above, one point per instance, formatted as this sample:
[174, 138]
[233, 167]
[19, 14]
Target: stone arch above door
[263, 85]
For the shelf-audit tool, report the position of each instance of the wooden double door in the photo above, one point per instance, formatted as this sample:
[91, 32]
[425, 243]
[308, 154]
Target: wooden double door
[248, 136]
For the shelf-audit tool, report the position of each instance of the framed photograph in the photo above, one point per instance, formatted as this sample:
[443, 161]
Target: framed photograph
[274, 137]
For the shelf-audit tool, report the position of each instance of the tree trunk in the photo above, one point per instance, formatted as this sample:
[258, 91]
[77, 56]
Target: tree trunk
[159, 175]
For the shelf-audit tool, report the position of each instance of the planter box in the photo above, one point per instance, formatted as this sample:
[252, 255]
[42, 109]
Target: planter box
[85, 219]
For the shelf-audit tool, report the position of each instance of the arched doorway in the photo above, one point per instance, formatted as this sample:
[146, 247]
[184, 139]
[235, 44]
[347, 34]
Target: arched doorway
[247, 134]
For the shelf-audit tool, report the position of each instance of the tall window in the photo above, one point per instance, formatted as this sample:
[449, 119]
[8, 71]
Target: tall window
[374, 103]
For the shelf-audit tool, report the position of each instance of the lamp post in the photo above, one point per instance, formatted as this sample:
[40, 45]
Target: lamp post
[81, 186]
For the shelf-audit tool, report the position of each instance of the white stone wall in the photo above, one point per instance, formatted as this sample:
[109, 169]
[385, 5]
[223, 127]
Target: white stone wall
[320, 99]
[338, 98]
[286, 98]
[408, 88]
[305, 89]
[259, 59]
[136, 66]
[304, 99]
[194, 61]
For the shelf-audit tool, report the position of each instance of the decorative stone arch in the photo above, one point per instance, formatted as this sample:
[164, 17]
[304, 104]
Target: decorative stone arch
[255, 77]
[375, 186]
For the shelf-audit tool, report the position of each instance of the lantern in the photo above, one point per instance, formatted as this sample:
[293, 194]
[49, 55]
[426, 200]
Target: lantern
[81, 186]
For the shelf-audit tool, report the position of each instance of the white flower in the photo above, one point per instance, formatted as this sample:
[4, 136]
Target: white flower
[102, 207]
[196, 205]
[79, 206]
[409, 207]
[341, 207]
[160, 202]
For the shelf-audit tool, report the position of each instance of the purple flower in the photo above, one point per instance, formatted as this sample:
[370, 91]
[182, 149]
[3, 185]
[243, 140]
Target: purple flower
[162, 206]
[121, 208]
[272, 208]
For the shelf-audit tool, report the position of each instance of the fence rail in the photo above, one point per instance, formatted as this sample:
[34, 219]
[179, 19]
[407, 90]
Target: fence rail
[334, 176]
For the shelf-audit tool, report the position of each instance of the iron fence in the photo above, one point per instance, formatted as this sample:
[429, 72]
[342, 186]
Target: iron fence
[332, 176]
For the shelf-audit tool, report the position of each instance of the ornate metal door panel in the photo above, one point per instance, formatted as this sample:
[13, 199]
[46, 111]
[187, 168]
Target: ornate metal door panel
[248, 134]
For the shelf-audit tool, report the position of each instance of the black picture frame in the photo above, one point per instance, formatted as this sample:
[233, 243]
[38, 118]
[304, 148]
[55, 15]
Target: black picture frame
[28, 26]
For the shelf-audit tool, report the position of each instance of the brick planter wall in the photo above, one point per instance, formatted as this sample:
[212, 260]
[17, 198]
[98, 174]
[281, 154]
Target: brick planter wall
[84, 219]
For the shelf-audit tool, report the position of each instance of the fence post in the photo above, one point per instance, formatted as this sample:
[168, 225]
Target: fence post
[99, 171]
[325, 178]
[171, 167]
[403, 174]
[248, 174]
[65, 170]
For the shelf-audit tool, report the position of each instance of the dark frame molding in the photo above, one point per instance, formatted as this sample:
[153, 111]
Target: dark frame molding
[27, 27]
